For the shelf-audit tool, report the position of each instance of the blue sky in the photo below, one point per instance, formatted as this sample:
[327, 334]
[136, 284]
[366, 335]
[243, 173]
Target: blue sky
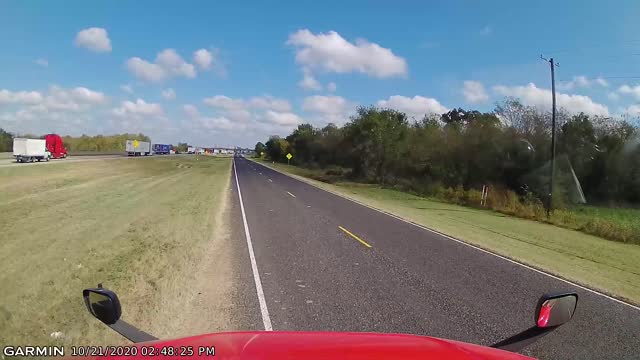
[75, 67]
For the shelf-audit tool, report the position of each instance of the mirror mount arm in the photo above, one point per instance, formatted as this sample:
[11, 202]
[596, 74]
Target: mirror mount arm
[131, 332]
[521, 340]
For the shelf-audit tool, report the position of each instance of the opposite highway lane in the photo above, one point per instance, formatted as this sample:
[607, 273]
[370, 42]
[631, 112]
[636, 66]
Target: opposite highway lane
[328, 264]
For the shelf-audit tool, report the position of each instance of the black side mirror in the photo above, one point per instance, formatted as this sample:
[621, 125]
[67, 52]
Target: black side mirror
[103, 304]
[555, 310]
[552, 311]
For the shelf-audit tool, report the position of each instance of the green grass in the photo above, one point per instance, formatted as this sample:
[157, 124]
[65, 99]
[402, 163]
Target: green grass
[620, 216]
[608, 266]
[142, 227]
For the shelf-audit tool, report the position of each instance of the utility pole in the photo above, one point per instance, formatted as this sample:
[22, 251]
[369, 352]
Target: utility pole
[553, 134]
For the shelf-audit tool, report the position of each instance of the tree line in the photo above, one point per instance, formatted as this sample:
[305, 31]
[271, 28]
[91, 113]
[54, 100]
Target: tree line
[597, 158]
[97, 143]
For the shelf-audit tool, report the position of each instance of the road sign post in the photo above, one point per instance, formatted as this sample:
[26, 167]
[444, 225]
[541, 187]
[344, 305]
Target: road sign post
[289, 156]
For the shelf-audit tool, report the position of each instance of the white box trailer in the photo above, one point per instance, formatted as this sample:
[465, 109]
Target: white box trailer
[137, 148]
[30, 150]
[191, 150]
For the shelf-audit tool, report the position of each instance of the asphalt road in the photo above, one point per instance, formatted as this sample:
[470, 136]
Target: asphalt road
[315, 276]
[10, 161]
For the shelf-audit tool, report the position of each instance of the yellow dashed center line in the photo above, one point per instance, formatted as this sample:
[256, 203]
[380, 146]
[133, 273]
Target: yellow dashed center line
[290, 194]
[354, 236]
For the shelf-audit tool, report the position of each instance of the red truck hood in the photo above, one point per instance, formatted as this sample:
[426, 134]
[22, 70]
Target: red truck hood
[330, 345]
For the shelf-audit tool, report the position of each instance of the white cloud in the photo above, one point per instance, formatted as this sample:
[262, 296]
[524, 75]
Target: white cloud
[216, 123]
[58, 99]
[175, 64]
[68, 110]
[613, 96]
[282, 118]
[630, 90]
[20, 97]
[326, 109]
[309, 82]
[257, 102]
[254, 110]
[324, 104]
[264, 115]
[224, 102]
[168, 94]
[203, 58]
[416, 107]
[191, 110]
[78, 94]
[145, 70]
[42, 62]
[168, 63]
[602, 82]
[331, 87]
[269, 102]
[583, 82]
[139, 108]
[330, 52]
[486, 31]
[633, 110]
[534, 96]
[127, 88]
[95, 39]
[474, 92]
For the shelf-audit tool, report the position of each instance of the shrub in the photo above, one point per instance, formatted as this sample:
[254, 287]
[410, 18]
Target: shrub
[472, 197]
[335, 171]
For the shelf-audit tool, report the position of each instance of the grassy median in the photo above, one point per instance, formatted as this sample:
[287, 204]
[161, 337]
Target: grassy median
[608, 266]
[145, 228]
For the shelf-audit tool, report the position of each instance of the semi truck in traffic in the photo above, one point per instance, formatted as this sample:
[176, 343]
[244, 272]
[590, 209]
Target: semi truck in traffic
[30, 150]
[161, 149]
[137, 148]
[55, 146]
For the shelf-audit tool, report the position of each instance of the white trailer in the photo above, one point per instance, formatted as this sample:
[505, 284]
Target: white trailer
[30, 150]
[137, 148]
[191, 150]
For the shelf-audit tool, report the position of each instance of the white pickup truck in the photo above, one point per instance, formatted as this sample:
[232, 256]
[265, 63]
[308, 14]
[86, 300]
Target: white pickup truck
[30, 150]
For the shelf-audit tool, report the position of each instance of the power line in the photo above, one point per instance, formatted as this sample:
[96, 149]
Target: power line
[605, 77]
[630, 43]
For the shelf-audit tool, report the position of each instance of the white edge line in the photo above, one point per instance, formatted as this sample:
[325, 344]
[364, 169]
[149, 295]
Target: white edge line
[256, 275]
[460, 241]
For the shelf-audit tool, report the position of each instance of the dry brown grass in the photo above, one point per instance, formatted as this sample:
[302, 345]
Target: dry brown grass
[143, 228]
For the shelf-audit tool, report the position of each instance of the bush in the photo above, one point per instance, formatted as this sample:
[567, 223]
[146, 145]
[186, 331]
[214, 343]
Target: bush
[473, 197]
[335, 171]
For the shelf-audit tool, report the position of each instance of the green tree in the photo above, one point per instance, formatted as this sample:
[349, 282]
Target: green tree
[376, 135]
[303, 142]
[6, 141]
[277, 148]
[182, 147]
[260, 148]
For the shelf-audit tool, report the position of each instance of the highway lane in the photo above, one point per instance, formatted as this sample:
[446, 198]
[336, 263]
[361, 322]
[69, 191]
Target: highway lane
[317, 276]
[8, 162]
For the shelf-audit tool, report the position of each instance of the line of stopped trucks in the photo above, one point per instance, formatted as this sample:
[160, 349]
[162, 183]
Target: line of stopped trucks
[51, 147]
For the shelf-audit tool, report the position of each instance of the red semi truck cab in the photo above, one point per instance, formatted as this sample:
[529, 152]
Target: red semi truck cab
[55, 146]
